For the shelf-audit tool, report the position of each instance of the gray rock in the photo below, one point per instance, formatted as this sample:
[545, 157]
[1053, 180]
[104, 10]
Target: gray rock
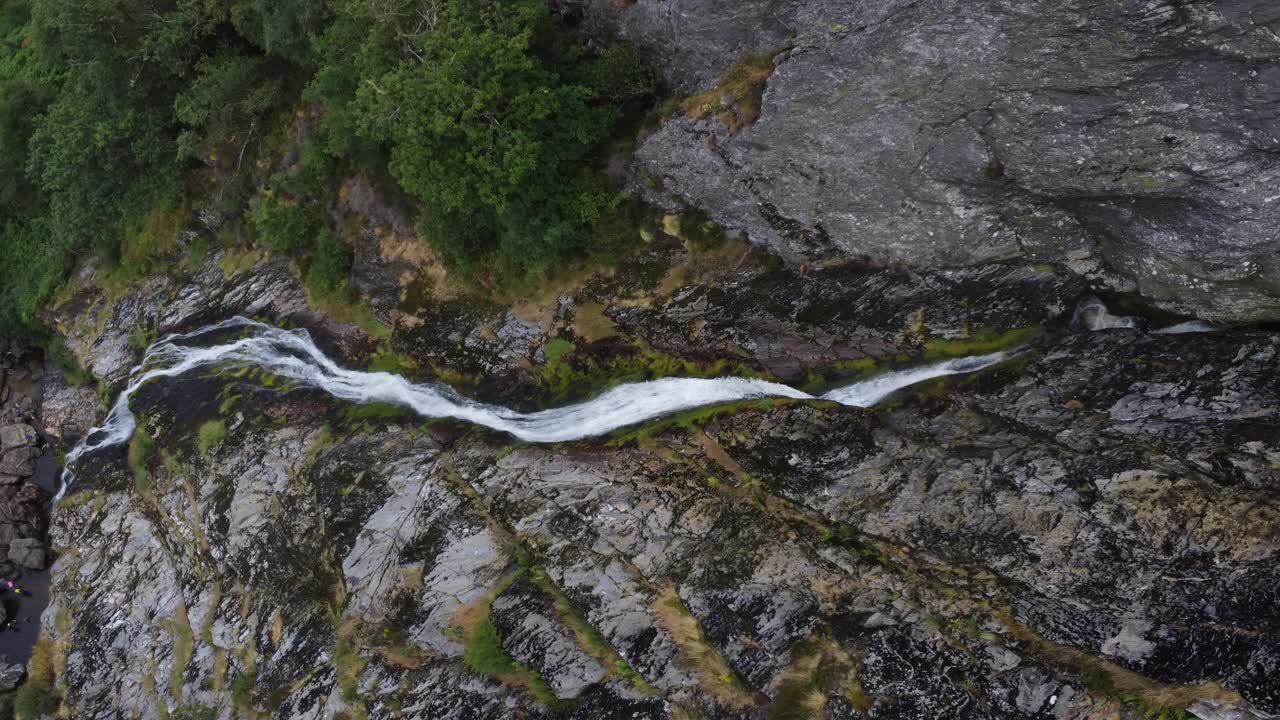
[532, 633]
[1133, 142]
[17, 436]
[68, 411]
[19, 461]
[11, 674]
[1034, 690]
[28, 553]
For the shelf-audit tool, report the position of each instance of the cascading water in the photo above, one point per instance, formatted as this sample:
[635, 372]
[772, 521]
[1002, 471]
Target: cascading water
[293, 355]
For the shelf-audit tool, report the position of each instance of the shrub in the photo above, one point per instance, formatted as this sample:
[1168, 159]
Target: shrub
[330, 265]
[283, 228]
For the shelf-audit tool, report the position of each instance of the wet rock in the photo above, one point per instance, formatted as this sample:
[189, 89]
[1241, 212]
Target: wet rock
[68, 411]
[28, 553]
[1110, 493]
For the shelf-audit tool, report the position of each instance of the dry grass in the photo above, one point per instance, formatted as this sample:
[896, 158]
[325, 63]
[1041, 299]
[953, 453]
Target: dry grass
[1107, 678]
[736, 100]
[713, 670]
[591, 324]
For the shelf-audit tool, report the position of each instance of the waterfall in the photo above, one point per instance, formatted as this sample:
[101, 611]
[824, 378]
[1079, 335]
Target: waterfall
[292, 354]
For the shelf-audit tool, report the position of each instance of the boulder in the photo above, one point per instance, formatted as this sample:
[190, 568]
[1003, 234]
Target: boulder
[68, 411]
[19, 461]
[16, 436]
[28, 553]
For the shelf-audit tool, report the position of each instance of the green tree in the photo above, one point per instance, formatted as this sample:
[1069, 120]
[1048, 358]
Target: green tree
[475, 102]
[229, 96]
[330, 264]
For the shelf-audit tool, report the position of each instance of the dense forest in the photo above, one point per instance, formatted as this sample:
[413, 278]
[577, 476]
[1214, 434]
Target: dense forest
[483, 115]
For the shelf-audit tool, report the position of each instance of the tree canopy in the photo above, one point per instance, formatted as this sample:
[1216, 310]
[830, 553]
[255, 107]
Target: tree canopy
[482, 111]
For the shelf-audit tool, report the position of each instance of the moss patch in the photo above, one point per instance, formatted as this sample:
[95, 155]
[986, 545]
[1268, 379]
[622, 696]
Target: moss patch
[980, 342]
[212, 434]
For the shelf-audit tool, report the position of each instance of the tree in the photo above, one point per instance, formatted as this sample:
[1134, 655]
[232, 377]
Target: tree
[471, 98]
[227, 99]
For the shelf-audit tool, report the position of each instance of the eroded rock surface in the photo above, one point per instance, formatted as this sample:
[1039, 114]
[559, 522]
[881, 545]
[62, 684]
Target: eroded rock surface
[1091, 525]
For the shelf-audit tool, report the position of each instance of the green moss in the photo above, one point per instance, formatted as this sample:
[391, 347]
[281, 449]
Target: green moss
[183, 645]
[198, 251]
[35, 701]
[348, 663]
[570, 375]
[242, 690]
[742, 85]
[67, 362]
[141, 447]
[981, 341]
[484, 652]
[690, 420]
[555, 349]
[212, 434]
[389, 361]
[227, 402]
[353, 413]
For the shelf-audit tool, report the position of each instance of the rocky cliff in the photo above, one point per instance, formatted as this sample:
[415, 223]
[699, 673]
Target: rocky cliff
[1133, 142]
[1088, 531]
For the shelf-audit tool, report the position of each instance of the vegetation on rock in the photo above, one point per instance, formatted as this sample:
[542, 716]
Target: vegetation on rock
[114, 115]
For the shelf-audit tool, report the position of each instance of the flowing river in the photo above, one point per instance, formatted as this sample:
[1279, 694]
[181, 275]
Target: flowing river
[293, 355]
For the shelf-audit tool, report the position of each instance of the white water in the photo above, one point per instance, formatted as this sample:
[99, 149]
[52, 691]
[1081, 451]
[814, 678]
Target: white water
[1094, 315]
[292, 354]
[1183, 328]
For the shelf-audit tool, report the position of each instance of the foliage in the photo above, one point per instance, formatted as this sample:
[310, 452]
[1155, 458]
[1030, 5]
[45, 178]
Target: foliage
[331, 265]
[229, 96]
[483, 123]
[284, 228]
[482, 111]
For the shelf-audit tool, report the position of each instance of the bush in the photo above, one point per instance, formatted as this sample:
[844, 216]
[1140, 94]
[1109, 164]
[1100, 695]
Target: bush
[331, 264]
[285, 229]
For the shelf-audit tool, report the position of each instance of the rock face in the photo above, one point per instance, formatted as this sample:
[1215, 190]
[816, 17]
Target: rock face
[1132, 142]
[1088, 529]
[22, 521]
